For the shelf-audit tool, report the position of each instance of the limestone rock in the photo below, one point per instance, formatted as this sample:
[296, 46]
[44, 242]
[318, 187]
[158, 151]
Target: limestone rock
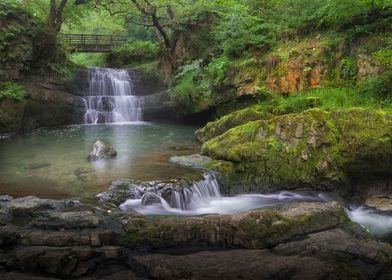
[240, 264]
[383, 203]
[314, 148]
[255, 229]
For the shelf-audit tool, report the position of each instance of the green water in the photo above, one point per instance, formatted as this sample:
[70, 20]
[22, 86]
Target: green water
[53, 163]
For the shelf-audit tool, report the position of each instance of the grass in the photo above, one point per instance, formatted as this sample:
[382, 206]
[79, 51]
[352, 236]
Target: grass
[330, 99]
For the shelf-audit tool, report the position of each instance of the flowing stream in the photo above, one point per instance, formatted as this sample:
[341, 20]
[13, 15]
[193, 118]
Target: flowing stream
[204, 197]
[110, 97]
[53, 163]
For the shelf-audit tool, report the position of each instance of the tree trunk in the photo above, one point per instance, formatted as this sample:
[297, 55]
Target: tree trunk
[55, 17]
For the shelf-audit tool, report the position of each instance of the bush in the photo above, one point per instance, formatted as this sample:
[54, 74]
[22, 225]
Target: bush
[135, 52]
[377, 89]
[190, 90]
[12, 90]
[238, 34]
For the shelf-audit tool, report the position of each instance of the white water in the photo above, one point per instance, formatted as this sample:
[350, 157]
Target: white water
[204, 197]
[376, 222]
[110, 98]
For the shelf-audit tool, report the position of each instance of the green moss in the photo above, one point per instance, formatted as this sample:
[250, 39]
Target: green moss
[310, 148]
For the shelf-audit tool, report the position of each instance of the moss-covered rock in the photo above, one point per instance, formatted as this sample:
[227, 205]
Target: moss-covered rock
[312, 148]
[213, 129]
[256, 229]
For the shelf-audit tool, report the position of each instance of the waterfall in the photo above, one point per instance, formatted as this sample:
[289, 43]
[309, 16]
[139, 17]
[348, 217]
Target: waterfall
[109, 98]
[204, 197]
[197, 195]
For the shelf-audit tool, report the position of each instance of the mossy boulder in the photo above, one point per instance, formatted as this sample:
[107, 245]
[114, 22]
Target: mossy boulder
[255, 229]
[312, 148]
[215, 128]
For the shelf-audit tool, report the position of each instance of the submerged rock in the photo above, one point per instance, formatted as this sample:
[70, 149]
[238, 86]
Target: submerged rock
[102, 150]
[195, 160]
[38, 165]
[31, 205]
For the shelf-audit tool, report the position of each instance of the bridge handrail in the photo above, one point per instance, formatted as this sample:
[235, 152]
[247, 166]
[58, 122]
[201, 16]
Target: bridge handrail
[94, 39]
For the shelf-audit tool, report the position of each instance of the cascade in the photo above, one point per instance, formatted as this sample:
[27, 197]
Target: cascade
[110, 98]
[204, 197]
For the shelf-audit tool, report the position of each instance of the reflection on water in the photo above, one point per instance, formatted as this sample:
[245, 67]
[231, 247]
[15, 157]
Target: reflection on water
[53, 163]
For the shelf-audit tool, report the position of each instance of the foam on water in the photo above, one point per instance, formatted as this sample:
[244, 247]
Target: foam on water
[204, 197]
[377, 222]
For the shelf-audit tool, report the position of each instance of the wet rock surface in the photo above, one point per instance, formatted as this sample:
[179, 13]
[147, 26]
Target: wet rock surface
[195, 160]
[102, 150]
[121, 190]
[56, 239]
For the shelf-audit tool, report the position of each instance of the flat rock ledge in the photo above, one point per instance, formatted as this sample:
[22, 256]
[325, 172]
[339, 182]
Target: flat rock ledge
[63, 239]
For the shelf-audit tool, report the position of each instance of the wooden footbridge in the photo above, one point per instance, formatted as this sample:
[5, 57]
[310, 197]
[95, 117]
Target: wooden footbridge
[93, 43]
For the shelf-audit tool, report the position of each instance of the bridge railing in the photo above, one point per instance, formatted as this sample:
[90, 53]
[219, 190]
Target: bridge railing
[93, 43]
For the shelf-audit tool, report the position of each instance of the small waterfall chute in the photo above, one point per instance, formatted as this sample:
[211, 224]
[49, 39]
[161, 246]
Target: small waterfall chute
[110, 97]
[204, 197]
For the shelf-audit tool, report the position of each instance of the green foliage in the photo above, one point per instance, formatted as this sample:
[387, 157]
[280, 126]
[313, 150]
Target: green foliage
[190, 90]
[13, 90]
[377, 90]
[239, 33]
[138, 50]
[89, 59]
[134, 53]
[349, 70]
[384, 55]
[72, 15]
[216, 71]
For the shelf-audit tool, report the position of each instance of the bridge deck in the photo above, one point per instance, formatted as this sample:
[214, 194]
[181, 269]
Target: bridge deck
[93, 43]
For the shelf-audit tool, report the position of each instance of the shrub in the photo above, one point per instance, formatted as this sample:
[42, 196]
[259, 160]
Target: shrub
[12, 90]
[134, 52]
[377, 89]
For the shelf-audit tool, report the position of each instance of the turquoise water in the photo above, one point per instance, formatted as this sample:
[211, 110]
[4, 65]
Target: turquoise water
[53, 163]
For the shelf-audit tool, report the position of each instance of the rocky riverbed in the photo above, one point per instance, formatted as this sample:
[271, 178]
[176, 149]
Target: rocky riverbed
[51, 239]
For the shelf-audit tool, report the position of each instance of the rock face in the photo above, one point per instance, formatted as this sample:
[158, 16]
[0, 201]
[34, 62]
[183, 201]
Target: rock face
[49, 104]
[102, 150]
[312, 149]
[26, 57]
[60, 239]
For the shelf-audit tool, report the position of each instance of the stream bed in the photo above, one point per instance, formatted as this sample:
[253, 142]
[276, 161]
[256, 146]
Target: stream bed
[53, 163]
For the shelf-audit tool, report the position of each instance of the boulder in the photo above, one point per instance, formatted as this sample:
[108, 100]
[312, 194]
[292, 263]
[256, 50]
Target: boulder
[255, 229]
[102, 150]
[150, 199]
[312, 149]
[383, 203]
